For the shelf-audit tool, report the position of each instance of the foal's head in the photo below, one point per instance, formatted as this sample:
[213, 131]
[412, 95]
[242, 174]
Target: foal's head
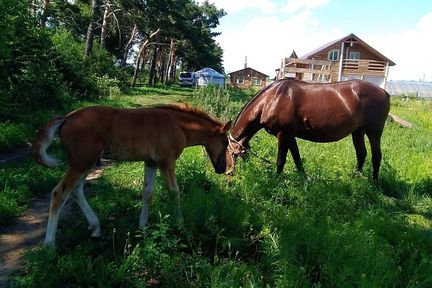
[216, 148]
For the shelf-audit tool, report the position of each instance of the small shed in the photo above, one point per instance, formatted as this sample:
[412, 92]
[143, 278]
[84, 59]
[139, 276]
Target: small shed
[247, 77]
[209, 76]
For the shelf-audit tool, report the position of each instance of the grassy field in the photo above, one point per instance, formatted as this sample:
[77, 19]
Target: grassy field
[331, 228]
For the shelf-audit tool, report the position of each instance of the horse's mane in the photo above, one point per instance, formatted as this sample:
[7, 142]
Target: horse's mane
[188, 109]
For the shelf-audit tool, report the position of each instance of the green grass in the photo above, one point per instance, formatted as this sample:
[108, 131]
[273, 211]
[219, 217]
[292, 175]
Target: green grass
[331, 228]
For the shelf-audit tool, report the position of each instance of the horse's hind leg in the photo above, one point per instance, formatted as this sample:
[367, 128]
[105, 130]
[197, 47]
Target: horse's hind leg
[92, 219]
[59, 196]
[147, 193]
[292, 144]
[360, 148]
[375, 144]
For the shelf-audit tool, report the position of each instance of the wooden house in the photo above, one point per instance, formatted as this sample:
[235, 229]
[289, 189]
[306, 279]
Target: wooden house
[342, 59]
[247, 78]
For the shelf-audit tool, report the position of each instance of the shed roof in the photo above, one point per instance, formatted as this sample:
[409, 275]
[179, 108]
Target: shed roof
[351, 36]
[248, 68]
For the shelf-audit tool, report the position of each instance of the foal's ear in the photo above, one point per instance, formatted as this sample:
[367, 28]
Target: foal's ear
[225, 127]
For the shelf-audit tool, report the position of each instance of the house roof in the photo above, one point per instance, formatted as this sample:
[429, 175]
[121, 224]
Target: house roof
[346, 38]
[294, 55]
[248, 68]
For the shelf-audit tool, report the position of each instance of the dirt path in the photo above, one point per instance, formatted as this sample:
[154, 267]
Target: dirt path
[28, 231]
[15, 155]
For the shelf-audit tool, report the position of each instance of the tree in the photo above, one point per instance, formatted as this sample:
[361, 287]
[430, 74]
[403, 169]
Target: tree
[91, 28]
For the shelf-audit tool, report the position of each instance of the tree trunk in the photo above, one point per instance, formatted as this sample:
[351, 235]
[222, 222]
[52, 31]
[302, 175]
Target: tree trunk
[152, 78]
[140, 55]
[162, 64]
[104, 31]
[134, 33]
[129, 45]
[43, 17]
[170, 62]
[90, 29]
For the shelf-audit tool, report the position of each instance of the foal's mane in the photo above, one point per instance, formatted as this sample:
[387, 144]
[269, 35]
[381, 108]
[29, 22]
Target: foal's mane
[190, 110]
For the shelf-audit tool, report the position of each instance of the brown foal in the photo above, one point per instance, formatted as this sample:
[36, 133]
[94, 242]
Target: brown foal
[155, 135]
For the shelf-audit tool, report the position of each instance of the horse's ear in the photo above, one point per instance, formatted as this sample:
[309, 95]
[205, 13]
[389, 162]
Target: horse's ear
[225, 127]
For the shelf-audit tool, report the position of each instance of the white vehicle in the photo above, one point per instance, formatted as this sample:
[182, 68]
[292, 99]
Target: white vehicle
[188, 79]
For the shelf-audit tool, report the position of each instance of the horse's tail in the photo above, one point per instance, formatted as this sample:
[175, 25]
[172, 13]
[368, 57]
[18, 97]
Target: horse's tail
[44, 137]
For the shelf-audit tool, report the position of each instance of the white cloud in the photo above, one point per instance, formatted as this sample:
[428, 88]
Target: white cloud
[267, 39]
[296, 5]
[425, 23]
[409, 49]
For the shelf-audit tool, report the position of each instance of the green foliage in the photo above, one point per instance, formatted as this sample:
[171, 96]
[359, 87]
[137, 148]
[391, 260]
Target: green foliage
[28, 78]
[214, 99]
[12, 135]
[92, 78]
[19, 182]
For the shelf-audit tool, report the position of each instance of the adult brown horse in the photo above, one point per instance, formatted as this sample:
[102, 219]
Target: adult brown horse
[314, 112]
[155, 135]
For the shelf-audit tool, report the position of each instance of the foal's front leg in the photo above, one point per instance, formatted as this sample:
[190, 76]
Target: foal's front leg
[173, 189]
[147, 193]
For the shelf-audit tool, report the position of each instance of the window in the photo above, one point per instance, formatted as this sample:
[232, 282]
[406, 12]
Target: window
[333, 55]
[256, 81]
[239, 80]
[354, 55]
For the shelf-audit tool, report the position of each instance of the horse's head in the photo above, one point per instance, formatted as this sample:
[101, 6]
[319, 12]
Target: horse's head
[235, 149]
[216, 148]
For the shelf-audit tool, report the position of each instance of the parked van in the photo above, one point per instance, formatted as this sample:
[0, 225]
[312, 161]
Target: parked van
[188, 79]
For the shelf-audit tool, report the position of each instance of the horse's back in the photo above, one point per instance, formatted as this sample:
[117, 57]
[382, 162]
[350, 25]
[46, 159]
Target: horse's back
[121, 134]
[324, 112]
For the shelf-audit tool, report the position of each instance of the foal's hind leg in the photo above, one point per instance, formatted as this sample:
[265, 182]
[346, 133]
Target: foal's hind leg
[360, 148]
[92, 219]
[59, 196]
[147, 193]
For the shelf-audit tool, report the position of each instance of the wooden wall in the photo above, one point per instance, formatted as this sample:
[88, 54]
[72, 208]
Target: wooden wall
[248, 75]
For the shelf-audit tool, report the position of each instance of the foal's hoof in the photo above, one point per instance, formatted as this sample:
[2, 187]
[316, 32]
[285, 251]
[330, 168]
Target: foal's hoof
[96, 233]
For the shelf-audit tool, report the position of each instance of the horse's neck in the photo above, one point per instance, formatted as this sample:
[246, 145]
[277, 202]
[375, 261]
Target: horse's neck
[246, 127]
[196, 132]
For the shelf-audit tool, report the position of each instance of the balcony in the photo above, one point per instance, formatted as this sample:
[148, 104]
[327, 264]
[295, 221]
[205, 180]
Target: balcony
[363, 67]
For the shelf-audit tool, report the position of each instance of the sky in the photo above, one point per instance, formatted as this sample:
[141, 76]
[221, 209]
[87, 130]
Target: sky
[267, 30]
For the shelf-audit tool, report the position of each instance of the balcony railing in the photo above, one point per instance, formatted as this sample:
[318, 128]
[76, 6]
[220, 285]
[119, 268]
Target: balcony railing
[327, 71]
[353, 66]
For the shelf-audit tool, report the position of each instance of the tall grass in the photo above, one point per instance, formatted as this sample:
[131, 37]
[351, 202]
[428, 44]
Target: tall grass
[331, 228]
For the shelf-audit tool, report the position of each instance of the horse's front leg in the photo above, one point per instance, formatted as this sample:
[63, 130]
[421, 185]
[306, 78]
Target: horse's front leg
[147, 193]
[282, 151]
[168, 171]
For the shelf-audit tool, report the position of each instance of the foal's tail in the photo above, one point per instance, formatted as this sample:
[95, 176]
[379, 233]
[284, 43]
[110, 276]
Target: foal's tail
[44, 137]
